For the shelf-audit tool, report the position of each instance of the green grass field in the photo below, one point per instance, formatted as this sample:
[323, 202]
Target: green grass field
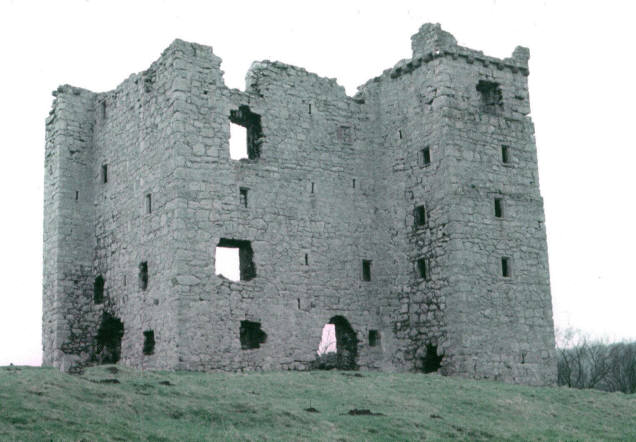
[116, 403]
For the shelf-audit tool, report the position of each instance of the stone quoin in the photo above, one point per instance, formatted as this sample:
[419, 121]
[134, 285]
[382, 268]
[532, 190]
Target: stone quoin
[408, 216]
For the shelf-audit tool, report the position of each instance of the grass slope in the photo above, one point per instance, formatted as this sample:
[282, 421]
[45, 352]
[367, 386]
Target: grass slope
[44, 404]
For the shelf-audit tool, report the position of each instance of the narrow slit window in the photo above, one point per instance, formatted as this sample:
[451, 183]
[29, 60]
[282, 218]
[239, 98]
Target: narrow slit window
[374, 338]
[76, 195]
[400, 133]
[149, 342]
[354, 183]
[104, 173]
[306, 259]
[366, 270]
[499, 209]
[344, 134]
[309, 108]
[424, 157]
[505, 154]
[148, 201]
[312, 187]
[423, 268]
[243, 196]
[505, 267]
[419, 214]
[98, 290]
[143, 275]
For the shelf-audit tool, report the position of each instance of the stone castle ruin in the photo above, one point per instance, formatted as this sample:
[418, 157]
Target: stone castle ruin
[408, 217]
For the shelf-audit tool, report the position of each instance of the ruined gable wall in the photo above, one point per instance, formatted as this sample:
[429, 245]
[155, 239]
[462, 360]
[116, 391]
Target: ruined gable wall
[284, 220]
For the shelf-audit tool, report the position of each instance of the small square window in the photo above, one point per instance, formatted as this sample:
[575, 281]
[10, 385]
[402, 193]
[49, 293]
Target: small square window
[424, 157]
[419, 214]
[491, 96]
[499, 209]
[505, 267]
[505, 154]
[366, 270]
[104, 173]
[148, 200]
[243, 196]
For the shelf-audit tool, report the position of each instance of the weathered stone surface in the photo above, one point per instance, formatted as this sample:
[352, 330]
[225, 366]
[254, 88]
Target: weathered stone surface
[332, 181]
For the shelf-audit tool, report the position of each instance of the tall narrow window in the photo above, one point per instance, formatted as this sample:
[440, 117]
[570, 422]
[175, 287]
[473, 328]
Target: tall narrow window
[419, 214]
[148, 200]
[423, 268]
[499, 209]
[149, 342]
[344, 134]
[424, 157]
[98, 290]
[104, 173]
[374, 338]
[250, 139]
[366, 270]
[505, 267]
[243, 196]
[306, 259]
[143, 275]
[505, 154]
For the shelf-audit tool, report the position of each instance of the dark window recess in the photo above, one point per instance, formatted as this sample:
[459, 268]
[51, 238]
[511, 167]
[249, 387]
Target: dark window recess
[431, 362]
[247, 268]
[344, 134]
[424, 157]
[374, 338]
[103, 110]
[491, 96]
[76, 195]
[251, 335]
[423, 268]
[125, 281]
[143, 275]
[306, 259]
[149, 342]
[309, 108]
[354, 183]
[366, 270]
[312, 187]
[298, 301]
[505, 267]
[419, 214]
[108, 340]
[98, 290]
[148, 200]
[505, 154]
[252, 123]
[499, 210]
[243, 196]
[104, 173]
[400, 133]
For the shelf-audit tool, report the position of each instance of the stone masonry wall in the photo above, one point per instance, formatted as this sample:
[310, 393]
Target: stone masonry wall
[338, 180]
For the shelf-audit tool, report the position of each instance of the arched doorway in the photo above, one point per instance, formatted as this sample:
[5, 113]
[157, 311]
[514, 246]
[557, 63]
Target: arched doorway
[345, 346]
[109, 335]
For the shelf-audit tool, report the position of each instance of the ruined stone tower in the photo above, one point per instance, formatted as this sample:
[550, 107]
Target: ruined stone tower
[408, 216]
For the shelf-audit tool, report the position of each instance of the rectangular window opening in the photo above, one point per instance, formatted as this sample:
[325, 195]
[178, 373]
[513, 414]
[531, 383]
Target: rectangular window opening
[490, 95]
[148, 200]
[246, 134]
[423, 268]
[309, 108]
[251, 335]
[306, 259]
[344, 134]
[400, 133]
[505, 267]
[243, 196]
[149, 342]
[424, 157]
[235, 259]
[312, 187]
[104, 173]
[419, 214]
[143, 275]
[374, 338]
[366, 270]
[76, 195]
[499, 210]
[505, 154]
[354, 183]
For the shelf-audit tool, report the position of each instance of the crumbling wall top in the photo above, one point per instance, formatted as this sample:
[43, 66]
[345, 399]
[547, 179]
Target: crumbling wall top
[431, 38]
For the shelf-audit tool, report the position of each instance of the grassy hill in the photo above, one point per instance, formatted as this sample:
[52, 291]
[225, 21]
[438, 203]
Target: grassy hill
[116, 403]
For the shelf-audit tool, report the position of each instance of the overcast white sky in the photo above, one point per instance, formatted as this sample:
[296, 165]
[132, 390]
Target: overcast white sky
[582, 93]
